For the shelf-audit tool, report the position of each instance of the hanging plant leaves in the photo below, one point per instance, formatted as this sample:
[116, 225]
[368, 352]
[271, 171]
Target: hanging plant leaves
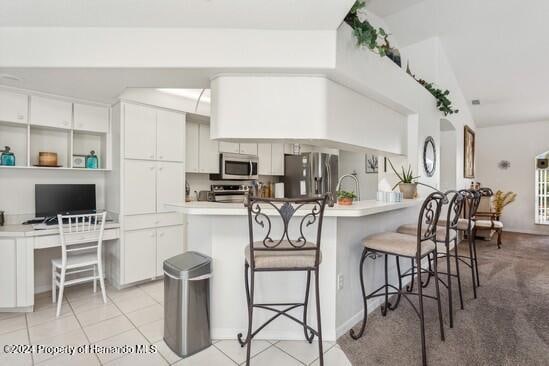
[377, 40]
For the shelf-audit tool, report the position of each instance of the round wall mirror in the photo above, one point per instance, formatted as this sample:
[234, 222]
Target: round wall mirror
[429, 156]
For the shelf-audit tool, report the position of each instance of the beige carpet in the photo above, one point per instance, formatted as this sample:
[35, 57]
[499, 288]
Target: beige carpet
[508, 324]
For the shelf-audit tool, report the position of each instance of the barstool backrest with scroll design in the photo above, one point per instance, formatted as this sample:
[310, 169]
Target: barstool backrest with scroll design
[306, 213]
[285, 235]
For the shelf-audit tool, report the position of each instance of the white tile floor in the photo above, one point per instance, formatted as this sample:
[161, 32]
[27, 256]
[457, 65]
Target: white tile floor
[133, 316]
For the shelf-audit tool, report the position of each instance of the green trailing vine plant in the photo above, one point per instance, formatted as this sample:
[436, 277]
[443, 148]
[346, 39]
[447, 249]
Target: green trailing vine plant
[377, 40]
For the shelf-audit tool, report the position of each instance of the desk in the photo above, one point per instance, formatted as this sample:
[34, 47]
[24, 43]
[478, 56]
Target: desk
[17, 246]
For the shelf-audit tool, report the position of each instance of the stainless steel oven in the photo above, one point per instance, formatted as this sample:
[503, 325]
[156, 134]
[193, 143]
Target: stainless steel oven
[238, 167]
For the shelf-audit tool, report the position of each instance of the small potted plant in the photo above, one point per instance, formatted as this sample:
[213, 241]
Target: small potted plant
[345, 198]
[406, 182]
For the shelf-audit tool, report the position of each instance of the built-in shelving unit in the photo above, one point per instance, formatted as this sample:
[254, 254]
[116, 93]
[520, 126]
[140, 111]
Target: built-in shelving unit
[32, 122]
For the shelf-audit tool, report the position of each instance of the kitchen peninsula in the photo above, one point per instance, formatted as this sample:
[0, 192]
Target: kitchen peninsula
[220, 230]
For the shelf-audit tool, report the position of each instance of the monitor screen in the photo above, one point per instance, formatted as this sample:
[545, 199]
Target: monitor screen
[53, 199]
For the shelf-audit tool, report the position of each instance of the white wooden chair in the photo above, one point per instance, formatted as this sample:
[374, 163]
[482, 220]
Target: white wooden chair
[81, 242]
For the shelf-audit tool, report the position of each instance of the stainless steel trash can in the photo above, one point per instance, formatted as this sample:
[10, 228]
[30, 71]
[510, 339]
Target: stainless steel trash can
[187, 303]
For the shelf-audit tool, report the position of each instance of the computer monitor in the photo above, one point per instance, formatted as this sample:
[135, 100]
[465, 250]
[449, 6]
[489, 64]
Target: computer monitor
[53, 199]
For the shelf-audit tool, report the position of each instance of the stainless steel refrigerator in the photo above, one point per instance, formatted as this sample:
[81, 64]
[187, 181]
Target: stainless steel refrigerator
[310, 174]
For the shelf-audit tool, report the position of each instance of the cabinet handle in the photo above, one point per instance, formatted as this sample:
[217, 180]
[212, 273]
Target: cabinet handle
[161, 157]
[20, 116]
[161, 234]
[151, 156]
[151, 168]
[151, 234]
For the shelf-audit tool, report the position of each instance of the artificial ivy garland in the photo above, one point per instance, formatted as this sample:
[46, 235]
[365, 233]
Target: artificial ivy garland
[377, 41]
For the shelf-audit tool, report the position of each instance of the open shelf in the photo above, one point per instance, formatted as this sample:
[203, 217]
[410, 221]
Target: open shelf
[85, 142]
[14, 135]
[53, 168]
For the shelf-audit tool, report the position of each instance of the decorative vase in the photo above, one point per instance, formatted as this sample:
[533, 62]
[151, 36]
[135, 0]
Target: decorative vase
[345, 201]
[408, 190]
[91, 161]
[7, 158]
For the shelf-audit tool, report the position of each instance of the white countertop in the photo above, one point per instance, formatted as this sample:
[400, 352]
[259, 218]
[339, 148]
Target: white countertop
[357, 209]
[28, 231]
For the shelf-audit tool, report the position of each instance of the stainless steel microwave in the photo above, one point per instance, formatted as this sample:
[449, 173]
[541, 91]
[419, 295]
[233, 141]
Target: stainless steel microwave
[237, 167]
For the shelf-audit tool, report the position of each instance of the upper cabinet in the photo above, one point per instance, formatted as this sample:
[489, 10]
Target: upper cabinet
[50, 112]
[139, 132]
[229, 147]
[13, 107]
[208, 156]
[170, 135]
[191, 147]
[236, 148]
[153, 134]
[277, 159]
[91, 118]
[248, 149]
[271, 159]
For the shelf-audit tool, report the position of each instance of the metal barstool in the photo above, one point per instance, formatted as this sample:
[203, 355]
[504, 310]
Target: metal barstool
[488, 220]
[447, 241]
[415, 248]
[284, 254]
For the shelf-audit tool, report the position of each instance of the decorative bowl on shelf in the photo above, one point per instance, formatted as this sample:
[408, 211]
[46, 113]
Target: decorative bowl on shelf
[47, 159]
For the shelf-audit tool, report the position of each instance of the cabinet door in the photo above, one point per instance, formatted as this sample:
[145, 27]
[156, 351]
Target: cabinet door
[170, 136]
[139, 132]
[277, 159]
[264, 155]
[170, 185]
[209, 151]
[229, 147]
[139, 255]
[191, 147]
[139, 187]
[248, 149]
[169, 242]
[8, 273]
[50, 112]
[13, 107]
[91, 118]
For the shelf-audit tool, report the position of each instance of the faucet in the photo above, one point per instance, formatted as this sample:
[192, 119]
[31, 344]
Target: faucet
[357, 184]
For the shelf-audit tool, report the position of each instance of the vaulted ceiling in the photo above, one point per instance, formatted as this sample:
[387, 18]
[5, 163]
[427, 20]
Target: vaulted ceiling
[498, 50]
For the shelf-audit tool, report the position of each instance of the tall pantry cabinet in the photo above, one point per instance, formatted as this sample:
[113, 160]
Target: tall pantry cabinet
[148, 172]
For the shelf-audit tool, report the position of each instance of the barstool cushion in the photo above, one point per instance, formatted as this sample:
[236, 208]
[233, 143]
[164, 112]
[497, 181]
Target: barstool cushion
[488, 224]
[291, 258]
[397, 244]
[441, 246]
[411, 229]
[463, 224]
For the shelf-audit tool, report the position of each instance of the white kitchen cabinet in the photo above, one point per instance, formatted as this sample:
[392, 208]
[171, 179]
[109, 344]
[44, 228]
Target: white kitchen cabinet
[170, 185]
[265, 161]
[170, 135]
[8, 273]
[277, 159]
[91, 118]
[13, 107]
[169, 242]
[248, 149]
[139, 255]
[229, 147]
[139, 187]
[50, 112]
[192, 147]
[208, 151]
[139, 132]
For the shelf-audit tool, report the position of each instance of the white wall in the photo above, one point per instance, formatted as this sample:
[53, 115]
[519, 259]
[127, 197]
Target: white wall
[520, 144]
[448, 165]
[428, 61]
[350, 162]
[17, 186]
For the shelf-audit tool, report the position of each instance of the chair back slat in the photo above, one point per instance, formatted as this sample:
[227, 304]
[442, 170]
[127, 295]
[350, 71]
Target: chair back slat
[299, 214]
[455, 209]
[80, 231]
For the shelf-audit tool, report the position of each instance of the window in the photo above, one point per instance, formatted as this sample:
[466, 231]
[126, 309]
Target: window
[542, 196]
